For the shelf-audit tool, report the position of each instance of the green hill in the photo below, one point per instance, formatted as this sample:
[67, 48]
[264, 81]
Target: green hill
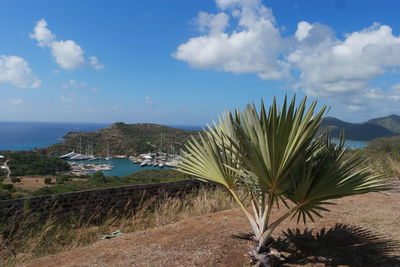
[356, 131]
[130, 139]
[391, 122]
[123, 139]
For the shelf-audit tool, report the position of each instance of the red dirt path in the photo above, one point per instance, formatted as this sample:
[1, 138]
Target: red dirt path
[207, 241]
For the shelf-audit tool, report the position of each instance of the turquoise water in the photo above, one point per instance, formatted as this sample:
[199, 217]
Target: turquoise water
[121, 168]
[355, 144]
[351, 144]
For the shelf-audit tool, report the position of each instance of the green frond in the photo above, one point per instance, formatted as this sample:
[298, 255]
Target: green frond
[209, 159]
[328, 173]
[276, 155]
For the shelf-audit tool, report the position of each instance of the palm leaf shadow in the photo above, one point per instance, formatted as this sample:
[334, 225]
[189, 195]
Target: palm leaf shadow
[339, 245]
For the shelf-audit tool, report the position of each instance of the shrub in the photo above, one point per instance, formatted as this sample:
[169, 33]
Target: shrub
[48, 180]
[275, 156]
[8, 187]
[4, 195]
[15, 180]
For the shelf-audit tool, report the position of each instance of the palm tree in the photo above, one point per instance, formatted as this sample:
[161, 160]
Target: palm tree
[276, 157]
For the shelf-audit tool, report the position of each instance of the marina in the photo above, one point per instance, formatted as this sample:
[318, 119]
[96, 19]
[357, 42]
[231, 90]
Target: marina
[113, 167]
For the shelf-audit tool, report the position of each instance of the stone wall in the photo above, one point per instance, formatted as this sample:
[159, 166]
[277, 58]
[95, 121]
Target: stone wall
[87, 203]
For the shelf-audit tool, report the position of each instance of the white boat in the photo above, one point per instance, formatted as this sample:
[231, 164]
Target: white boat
[69, 155]
[80, 157]
[145, 163]
[161, 165]
[108, 152]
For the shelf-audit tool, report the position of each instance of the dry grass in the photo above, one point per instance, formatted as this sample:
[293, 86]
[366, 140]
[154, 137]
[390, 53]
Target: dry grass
[394, 167]
[30, 239]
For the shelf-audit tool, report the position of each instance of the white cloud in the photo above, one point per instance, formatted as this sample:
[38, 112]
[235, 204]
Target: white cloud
[13, 101]
[16, 70]
[149, 101]
[303, 30]
[243, 37]
[94, 62]
[42, 34]
[73, 83]
[213, 23]
[332, 66]
[252, 46]
[68, 54]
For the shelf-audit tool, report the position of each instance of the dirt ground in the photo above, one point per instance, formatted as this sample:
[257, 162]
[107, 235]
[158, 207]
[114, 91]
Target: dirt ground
[207, 240]
[31, 183]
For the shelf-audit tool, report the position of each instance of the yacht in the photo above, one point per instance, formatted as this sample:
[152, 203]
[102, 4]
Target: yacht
[145, 163]
[69, 155]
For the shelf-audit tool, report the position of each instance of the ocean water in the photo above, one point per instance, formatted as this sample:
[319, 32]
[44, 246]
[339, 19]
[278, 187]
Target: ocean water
[351, 144]
[29, 135]
[121, 168]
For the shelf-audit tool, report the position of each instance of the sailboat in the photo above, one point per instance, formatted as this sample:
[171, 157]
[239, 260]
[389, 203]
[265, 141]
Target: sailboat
[108, 152]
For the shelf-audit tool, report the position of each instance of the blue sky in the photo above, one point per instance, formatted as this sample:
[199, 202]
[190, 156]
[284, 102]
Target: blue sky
[185, 62]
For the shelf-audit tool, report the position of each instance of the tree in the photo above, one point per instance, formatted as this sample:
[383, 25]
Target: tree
[277, 157]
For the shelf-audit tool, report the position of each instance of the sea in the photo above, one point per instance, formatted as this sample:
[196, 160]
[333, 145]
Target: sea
[17, 136]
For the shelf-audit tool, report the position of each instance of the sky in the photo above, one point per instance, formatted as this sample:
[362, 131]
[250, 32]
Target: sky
[184, 62]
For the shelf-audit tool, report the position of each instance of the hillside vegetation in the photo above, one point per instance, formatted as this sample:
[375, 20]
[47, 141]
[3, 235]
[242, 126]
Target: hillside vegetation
[130, 139]
[356, 131]
[123, 139]
[99, 181]
[32, 163]
[391, 122]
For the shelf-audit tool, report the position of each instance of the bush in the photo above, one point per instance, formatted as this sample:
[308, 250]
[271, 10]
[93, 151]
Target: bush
[48, 180]
[15, 180]
[63, 179]
[97, 174]
[32, 163]
[4, 195]
[8, 187]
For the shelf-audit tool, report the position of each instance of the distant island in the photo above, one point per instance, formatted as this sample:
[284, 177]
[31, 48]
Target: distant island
[366, 131]
[131, 139]
[123, 139]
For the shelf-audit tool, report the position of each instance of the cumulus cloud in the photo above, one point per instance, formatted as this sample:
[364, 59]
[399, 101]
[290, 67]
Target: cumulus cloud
[42, 34]
[332, 66]
[73, 83]
[68, 54]
[16, 70]
[243, 37]
[13, 101]
[303, 30]
[94, 62]
[251, 46]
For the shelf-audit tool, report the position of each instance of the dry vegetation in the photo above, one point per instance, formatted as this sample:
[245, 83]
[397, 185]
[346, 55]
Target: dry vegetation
[30, 239]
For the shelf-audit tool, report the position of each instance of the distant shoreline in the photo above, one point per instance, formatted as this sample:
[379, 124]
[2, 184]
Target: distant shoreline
[22, 135]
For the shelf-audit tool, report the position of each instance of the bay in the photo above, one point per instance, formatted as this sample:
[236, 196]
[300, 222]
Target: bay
[121, 167]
